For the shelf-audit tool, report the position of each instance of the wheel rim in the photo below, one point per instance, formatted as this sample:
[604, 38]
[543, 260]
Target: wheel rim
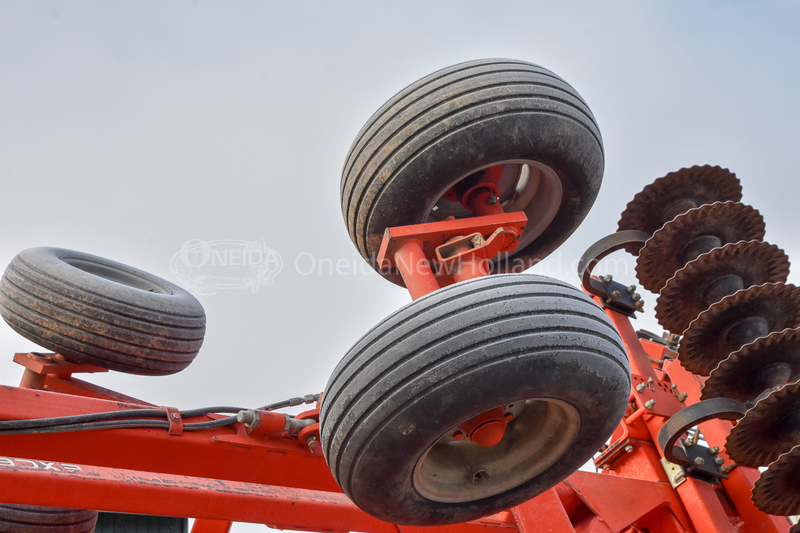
[129, 279]
[457, 470]
[525, 185]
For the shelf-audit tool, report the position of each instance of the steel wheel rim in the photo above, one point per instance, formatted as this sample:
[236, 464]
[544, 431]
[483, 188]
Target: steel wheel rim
[525, 185]
[457, 471]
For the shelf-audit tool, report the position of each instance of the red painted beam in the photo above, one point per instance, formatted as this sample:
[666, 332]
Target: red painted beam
[79, 486]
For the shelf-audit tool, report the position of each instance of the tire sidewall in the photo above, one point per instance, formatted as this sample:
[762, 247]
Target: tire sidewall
[377, 473]
[49, 262]
[561, 144]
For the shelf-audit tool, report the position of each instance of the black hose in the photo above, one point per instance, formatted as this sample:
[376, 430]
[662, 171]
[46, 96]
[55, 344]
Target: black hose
[133, 418]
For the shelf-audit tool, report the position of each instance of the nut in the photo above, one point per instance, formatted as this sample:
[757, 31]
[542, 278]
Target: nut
[631, 289]
[699, 461]
[608, 278]
[682, 396]
[640, 387]
[629, 448]
[719, 460]
[714, 450]
[616, 295]
[650, 403]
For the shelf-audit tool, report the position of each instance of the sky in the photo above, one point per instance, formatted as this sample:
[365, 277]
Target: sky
[133, 130]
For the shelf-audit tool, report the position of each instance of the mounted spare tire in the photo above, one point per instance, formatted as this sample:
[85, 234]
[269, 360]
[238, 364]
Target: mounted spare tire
[99, 312]
[397, 411]
[34, 519]
[522, 119]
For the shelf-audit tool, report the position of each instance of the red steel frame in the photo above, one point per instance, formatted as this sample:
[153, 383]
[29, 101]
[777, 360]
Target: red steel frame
[268, 476]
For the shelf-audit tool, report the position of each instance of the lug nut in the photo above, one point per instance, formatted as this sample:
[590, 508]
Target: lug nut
[699, 461]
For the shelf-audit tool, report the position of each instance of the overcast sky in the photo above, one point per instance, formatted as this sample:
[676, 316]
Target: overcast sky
[129, 128]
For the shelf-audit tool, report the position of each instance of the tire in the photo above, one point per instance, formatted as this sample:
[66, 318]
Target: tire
[391, 404]
[96, 311]
[33, 519]
[463, 119]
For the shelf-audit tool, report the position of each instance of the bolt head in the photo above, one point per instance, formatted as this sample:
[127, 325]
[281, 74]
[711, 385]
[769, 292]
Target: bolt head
[632, 289]
[616, 295]
[175, 416]
[650, 404]
[640, 387]
[682, 396]
[719, 460]
[714, 450]
[608, 278]
[629, 448]
[699, 461]
[640, 304]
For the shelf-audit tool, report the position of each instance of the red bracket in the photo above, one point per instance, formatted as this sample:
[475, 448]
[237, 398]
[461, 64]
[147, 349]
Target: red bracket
[437, 254]
[175, 420]
[39, 365]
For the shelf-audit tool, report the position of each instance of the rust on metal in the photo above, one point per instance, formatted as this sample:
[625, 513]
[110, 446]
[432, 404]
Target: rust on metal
[737, 320]
[676, 193]
[769, 429]
[714, 275]
[694, 233]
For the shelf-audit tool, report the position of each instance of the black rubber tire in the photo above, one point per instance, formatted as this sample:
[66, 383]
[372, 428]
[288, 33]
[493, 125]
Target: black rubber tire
[96, 311]
[451, 355]
[34, 519]
[457, 121]
[136, 523]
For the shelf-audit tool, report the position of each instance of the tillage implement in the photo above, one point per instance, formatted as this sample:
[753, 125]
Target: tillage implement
[473, 407]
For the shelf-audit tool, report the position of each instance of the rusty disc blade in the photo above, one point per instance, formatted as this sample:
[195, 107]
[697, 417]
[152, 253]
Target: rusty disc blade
[693, 233]
[676, 193]
[777, 491]
[716, 274]
[737, 320]
[769, 429]
[770, 361]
